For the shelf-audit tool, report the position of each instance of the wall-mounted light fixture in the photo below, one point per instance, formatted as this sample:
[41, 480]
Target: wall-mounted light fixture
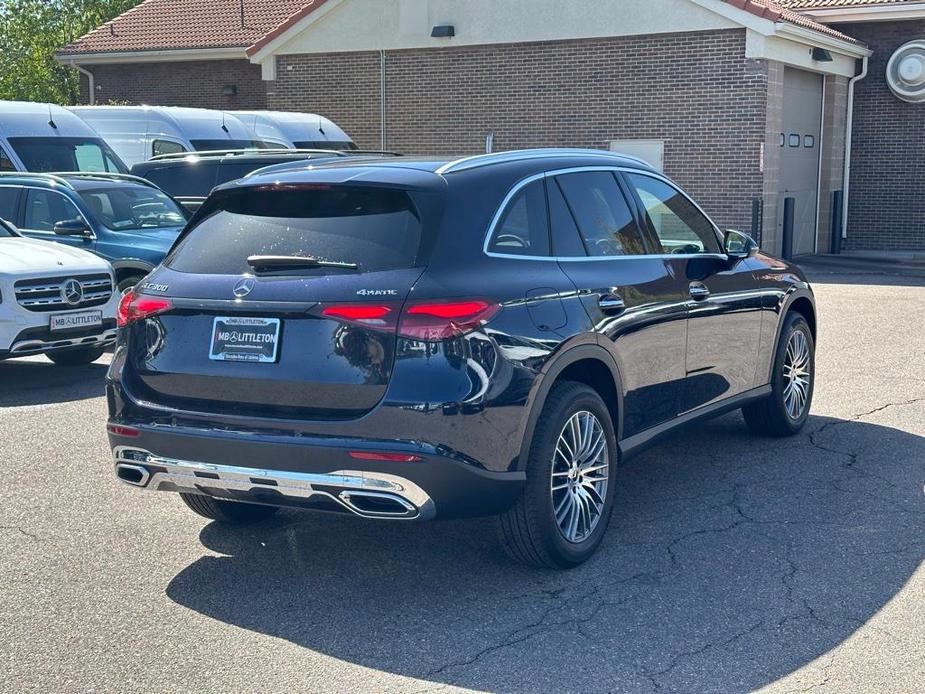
[821, 55]
[230, 89]
[443, 31]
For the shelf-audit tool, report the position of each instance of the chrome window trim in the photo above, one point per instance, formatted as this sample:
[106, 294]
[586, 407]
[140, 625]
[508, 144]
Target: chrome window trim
[486, 244]
[91, 237]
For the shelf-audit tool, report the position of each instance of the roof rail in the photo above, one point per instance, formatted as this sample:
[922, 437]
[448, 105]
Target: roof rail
[479, 160]
[242, 152]
[107, 176]
[50, 177]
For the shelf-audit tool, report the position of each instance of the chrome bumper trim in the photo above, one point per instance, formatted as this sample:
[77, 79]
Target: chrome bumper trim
[348, 488]
[38, 346]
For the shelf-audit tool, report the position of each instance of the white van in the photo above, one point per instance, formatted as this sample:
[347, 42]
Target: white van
[44, 137]
[138, 133]
[295, 130]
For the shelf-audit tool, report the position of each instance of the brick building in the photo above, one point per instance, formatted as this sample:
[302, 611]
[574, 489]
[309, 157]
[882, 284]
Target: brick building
[744, 102]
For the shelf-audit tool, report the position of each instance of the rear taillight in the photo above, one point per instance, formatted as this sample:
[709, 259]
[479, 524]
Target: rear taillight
[134, 307]
[427, 321]
[433, 321]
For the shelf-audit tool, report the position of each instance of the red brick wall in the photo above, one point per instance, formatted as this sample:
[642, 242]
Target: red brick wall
[192, 83]
[696, 91]
[887, 204]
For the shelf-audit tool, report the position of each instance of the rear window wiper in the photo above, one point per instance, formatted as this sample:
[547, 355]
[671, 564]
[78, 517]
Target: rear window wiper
[281, 262]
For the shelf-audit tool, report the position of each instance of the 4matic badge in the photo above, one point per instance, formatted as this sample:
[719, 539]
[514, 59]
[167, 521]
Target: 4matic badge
[377, 292]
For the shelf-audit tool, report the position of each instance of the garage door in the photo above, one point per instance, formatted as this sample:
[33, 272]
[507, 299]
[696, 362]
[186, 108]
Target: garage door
[800, 146]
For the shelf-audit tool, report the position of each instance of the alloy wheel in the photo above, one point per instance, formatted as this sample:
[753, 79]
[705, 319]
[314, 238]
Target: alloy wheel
[578, 483]
[797, 375]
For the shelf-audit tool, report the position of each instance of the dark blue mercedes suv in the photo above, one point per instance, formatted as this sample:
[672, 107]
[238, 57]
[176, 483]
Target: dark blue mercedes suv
[405, 339]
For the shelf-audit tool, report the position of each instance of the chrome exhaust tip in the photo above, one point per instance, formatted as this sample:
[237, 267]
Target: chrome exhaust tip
[135, 475]
[377, 504]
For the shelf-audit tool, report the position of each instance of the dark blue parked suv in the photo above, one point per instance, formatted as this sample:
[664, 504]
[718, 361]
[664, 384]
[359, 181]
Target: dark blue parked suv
[405, 339]
[125, 219]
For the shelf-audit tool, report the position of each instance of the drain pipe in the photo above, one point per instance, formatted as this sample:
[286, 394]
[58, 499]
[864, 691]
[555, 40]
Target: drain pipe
[849, 135]
[383, 134]
[91, 82]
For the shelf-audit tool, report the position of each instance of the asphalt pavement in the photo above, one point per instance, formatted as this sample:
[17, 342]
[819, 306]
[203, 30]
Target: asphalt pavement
[732, 563]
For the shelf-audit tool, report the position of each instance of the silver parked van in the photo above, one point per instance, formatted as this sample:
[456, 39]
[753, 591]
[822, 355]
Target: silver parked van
[295, 130]
[138, 133]
[44, 137]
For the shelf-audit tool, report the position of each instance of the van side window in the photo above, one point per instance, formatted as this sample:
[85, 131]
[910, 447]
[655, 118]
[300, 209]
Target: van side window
[159, 147]
[602, 213]
[45, 208]
[6, 164]
[524, 227]
[676, 221]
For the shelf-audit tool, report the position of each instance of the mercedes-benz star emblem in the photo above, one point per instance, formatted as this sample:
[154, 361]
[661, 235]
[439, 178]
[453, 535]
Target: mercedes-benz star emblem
[72, 292]
[244, 287]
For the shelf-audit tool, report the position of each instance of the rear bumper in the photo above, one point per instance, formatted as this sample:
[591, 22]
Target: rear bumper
[311, 472]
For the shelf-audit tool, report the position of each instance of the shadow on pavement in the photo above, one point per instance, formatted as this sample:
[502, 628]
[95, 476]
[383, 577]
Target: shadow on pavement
[33, 382]
[730, 562]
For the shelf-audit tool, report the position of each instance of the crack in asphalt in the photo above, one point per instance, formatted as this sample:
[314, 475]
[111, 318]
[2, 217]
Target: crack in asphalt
[16, 528]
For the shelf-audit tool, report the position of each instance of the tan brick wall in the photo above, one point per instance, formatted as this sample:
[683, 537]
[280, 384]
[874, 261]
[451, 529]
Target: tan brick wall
[696, 91]
[193, 83]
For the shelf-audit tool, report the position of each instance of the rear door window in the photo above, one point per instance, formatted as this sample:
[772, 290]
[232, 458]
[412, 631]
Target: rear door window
[9, 203]
[566, 240]
[602, 213]
[377, 229]
[184, 179]
[523, 228]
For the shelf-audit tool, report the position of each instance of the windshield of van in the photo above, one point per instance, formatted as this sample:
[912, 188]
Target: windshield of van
[45, 154]
[375, 229]
[224, 145]
[125, 208]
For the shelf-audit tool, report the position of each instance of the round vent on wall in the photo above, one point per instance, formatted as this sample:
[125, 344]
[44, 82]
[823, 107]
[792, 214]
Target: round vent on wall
[905, 72]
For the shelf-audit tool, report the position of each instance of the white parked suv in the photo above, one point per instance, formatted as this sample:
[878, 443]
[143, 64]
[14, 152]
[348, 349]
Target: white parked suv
[54, 300]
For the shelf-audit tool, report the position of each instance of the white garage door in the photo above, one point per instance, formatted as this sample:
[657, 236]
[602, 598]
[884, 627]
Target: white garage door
[800, 146]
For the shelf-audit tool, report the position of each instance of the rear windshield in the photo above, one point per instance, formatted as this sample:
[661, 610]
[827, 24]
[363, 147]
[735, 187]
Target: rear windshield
[43, 154]
[124, 208]
[223, 145]
[374, 228]
[325, 144]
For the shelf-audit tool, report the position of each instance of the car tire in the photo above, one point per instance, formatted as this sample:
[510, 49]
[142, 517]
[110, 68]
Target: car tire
[77, 356]
[533, 531]
[785, 411]
[127, 283]
[227, 511]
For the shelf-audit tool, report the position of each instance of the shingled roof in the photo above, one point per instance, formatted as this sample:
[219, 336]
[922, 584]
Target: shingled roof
[170, 25]
[162, 25]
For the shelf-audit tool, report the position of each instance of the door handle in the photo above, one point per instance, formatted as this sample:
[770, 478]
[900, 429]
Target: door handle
[699, 291]
[611, 304]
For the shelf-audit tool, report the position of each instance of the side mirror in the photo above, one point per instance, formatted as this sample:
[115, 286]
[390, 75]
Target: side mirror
[72, 227]
[739, 246]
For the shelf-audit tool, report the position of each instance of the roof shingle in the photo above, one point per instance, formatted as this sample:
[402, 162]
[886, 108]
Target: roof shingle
[838, 4]
[777, 12]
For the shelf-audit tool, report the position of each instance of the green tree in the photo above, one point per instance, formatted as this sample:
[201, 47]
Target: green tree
[32, 31]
